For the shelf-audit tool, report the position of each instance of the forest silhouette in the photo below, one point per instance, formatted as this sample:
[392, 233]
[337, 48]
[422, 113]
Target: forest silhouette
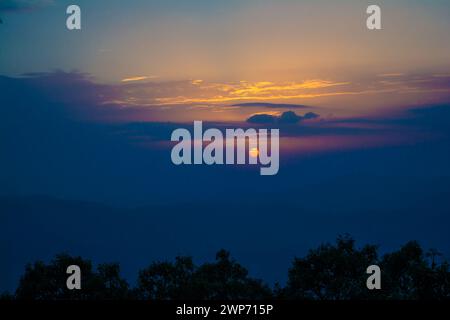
[329, 272]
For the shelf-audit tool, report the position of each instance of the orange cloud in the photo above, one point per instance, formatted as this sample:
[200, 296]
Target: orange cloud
[263, 90]
[138, 78]
[269, 87]
[200, 92]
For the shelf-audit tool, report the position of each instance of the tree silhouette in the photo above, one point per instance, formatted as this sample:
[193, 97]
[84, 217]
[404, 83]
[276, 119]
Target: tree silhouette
[408, 275]
[224, 279]
[6, 297]
[433, 254]
[329, 272]
[48, 281]
[166, 280]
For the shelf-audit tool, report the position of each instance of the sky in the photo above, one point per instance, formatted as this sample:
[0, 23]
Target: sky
[221, 53]
[86, 118]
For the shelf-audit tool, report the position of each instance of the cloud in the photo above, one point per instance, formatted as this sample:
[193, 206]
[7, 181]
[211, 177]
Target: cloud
[288, 117]
[244, 91]
[23, 5]
[262, 118]
[266, 87]
[137, 78]
[139, 100]
[310, 116]
[135, 91]
[271, 105]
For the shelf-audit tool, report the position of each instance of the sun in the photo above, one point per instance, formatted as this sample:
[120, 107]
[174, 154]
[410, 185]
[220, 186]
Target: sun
[254, 152]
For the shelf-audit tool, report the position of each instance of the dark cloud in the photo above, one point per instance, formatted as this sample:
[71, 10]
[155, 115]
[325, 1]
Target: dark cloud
[261, 118]
[288, 117]
[77, 95]
[310, 116]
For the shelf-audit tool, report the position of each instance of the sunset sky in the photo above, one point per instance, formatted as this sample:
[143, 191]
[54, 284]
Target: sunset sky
[212, 54]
